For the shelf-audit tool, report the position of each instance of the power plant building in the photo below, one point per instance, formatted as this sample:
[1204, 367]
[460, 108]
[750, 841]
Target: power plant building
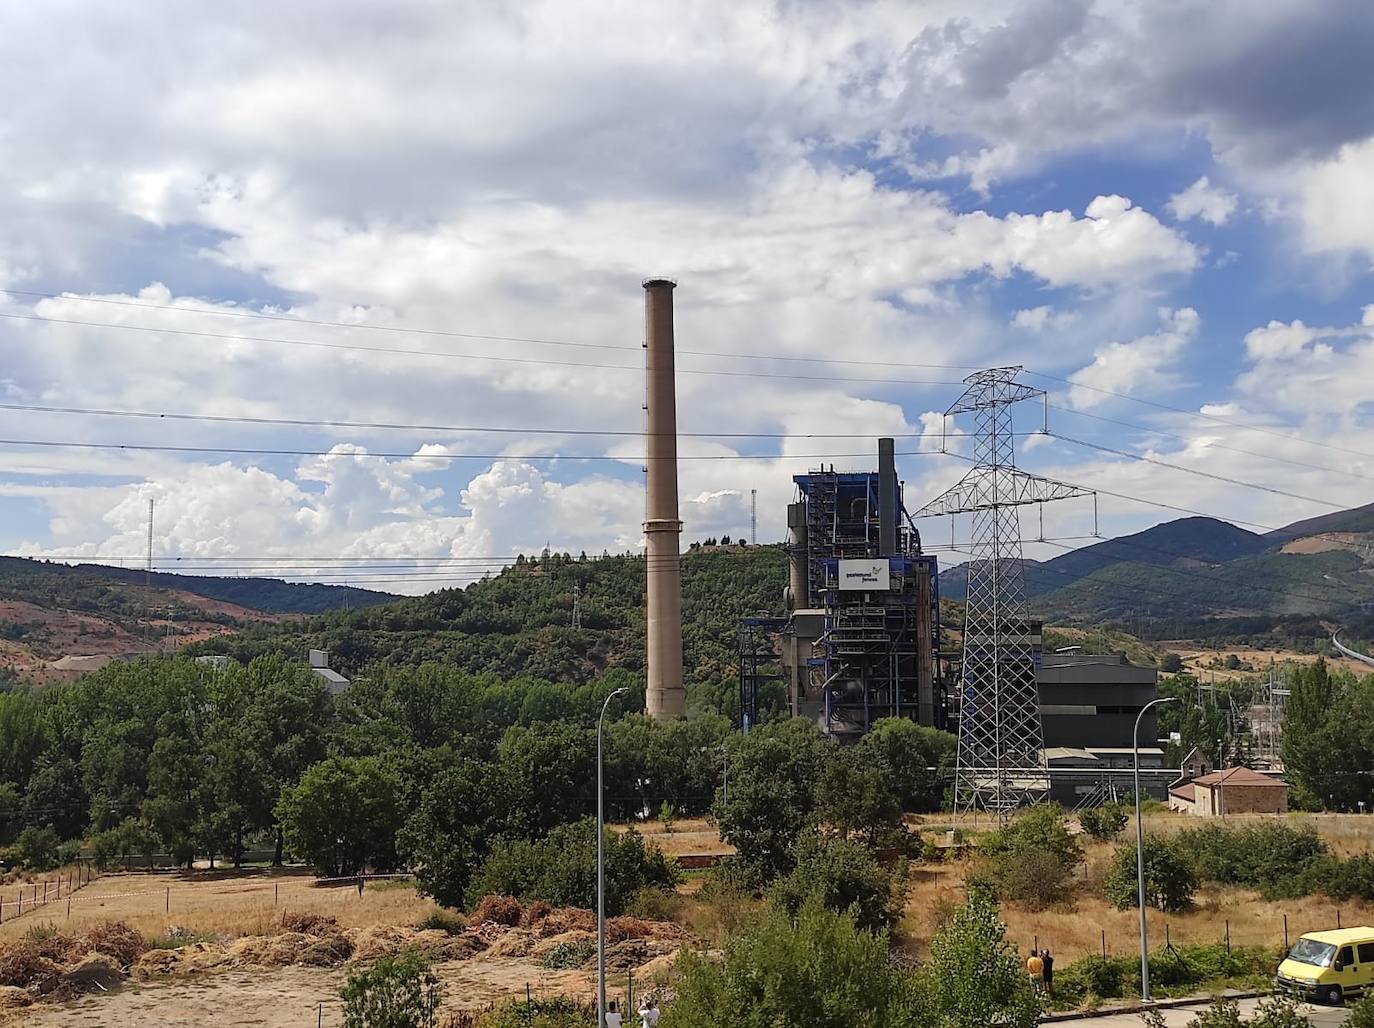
[862, 633]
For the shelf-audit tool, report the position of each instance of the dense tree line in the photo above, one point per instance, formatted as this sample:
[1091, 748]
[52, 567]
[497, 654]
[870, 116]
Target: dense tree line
[1328, 738]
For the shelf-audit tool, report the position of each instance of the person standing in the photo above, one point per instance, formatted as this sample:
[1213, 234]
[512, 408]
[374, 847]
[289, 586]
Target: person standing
[1035, 967]
[1047, 962]
[613, 1019]
[648, 1013]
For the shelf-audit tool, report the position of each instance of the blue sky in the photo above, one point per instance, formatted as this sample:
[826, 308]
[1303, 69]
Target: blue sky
[1165, 212]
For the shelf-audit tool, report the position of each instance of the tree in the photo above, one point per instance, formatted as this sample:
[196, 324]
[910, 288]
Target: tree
[844, 876]
[771, 799]
[1171, 663]
[1104, 822]
[447, 836]
[1312, 696]
[820, 970]
[1170, 877]
[974, 977]
[54, 796]
[916, 760]
[548, 773]
[398, 991]
[173, 808]
[1031, 860]
[343, 815]
[36, 848]
[853, 795]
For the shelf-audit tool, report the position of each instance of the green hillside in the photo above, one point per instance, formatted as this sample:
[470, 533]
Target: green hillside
[519, 622]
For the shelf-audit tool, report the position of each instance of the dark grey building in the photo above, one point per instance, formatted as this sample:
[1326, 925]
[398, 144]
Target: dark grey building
[1088, 707]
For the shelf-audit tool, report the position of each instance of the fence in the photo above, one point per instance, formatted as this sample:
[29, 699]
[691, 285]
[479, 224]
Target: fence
[55, 889]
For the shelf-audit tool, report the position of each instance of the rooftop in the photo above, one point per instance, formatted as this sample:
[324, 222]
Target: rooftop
[1240, 776]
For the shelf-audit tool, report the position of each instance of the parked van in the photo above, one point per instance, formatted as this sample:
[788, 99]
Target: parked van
[1329, 966]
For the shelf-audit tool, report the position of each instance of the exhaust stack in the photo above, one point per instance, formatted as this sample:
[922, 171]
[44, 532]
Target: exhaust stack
[888, 500]
[665, 697]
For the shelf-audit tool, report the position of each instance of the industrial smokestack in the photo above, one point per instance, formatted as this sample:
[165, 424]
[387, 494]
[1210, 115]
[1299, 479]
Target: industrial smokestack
[887, 499]
[665, 697]
[798, 587]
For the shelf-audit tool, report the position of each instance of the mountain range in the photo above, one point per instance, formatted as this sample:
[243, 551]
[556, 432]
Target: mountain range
[1196, 569]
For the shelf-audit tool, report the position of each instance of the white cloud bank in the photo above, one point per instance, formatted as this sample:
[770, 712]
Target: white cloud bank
[1139, 366]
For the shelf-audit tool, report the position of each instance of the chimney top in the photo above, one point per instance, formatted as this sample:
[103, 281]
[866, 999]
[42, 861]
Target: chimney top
[654, 283]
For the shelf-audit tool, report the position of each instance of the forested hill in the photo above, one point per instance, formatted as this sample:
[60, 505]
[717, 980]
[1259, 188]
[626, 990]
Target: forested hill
[519, 623]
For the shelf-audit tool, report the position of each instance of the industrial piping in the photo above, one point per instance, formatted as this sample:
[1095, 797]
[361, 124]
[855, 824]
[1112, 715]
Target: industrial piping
[665, 697]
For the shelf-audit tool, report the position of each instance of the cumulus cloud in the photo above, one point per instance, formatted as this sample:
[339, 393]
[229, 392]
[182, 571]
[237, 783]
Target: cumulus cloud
[1338, 201]
[1140, 365]
[1203, 200]
[1278, 339]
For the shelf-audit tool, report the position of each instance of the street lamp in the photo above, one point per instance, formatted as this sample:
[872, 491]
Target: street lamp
[1140, 852]
[601, 874]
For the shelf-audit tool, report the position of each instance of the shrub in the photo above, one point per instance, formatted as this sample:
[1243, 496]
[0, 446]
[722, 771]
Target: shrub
[1031, 860]
[1278, 1012]
[399, 991]
[568, 956]
[974, 977]
[1104, 822]
[843, 875]
[1224, 1013]
[445, 921]
[821, 970]
[1170, 878]
[36, 848]
[653, 904]
[556, 1012]
[1272, 856]
[1361, 1014]
[561, 868]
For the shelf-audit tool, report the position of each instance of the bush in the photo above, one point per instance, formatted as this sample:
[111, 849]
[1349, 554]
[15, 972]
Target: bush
[399, 991]
[1031, 860]
[974, 977]
[36, 849]
[1171, 663]
[1104, 822]
[556, 1012]
[561, 868]
[568, 956]
[821, 970]
[844, 876]
[445, 921]
[1271, 856]
[1170, 878]
[654, 904]
[1361, 1014]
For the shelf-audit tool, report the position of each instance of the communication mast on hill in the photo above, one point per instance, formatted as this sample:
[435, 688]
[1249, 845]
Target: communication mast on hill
[753, 517]
[577, 606]
[1001, 754]
[148, 568]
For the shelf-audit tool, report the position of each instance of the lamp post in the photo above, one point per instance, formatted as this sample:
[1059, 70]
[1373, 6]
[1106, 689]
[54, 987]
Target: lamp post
[601, 874]
[1140, 852]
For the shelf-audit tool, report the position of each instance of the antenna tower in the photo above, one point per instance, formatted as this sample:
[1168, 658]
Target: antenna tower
[753, 517]
[577, 606]
[1001, 754]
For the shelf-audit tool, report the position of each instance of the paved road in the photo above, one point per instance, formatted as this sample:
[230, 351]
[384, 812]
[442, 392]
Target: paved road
[1321, 1017]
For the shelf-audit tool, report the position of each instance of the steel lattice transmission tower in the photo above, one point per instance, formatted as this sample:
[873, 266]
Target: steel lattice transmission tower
[1001, 755]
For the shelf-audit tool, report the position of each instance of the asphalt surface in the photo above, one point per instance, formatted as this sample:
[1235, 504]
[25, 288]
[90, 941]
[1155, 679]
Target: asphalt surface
[1321, 1017]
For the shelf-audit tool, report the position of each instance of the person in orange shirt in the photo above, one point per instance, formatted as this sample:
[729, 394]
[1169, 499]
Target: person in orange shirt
[1035, 967]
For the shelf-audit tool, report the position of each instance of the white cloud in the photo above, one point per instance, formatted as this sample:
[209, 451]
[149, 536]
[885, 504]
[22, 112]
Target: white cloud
[1138, 366]
[1038, 319]
[1278, 339]
[1203, 200]
[1338, 201]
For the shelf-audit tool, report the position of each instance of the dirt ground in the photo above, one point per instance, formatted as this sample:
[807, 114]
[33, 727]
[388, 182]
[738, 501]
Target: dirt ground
[292, 997]
[1198, 662]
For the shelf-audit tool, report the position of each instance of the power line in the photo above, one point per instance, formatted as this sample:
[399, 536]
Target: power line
[537, 361]
[334, 423]
[1210, 444]
[445, 333]
[163, 447]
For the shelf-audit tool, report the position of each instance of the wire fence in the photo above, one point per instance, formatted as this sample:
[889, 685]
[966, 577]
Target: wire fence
[61, 887]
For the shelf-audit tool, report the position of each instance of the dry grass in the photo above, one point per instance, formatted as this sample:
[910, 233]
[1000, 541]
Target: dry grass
[220, 903]
[1071, 932]
[691, 836]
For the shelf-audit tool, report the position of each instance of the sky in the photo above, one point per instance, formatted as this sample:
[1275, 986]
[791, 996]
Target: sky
[352, 290]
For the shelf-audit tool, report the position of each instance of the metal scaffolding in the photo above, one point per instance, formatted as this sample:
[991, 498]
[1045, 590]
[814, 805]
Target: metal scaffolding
[1001, 760]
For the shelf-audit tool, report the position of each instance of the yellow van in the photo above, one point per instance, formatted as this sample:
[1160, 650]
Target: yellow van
[1329, 966]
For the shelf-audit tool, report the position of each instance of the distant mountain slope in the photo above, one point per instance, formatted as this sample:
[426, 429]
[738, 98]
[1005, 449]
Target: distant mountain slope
[1357, 519]
[50, 611]
[1182, 542]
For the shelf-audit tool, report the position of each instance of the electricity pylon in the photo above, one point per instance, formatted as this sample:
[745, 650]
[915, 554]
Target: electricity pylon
[1001, 755]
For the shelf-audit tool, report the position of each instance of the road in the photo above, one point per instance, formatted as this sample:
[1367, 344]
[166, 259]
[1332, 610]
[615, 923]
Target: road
[1321, 1017]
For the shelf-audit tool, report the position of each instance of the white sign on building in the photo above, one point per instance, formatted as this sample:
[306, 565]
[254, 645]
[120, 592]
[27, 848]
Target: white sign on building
[861, 575]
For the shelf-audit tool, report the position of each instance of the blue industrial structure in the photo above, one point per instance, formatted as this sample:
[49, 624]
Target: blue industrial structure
[862, 635]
